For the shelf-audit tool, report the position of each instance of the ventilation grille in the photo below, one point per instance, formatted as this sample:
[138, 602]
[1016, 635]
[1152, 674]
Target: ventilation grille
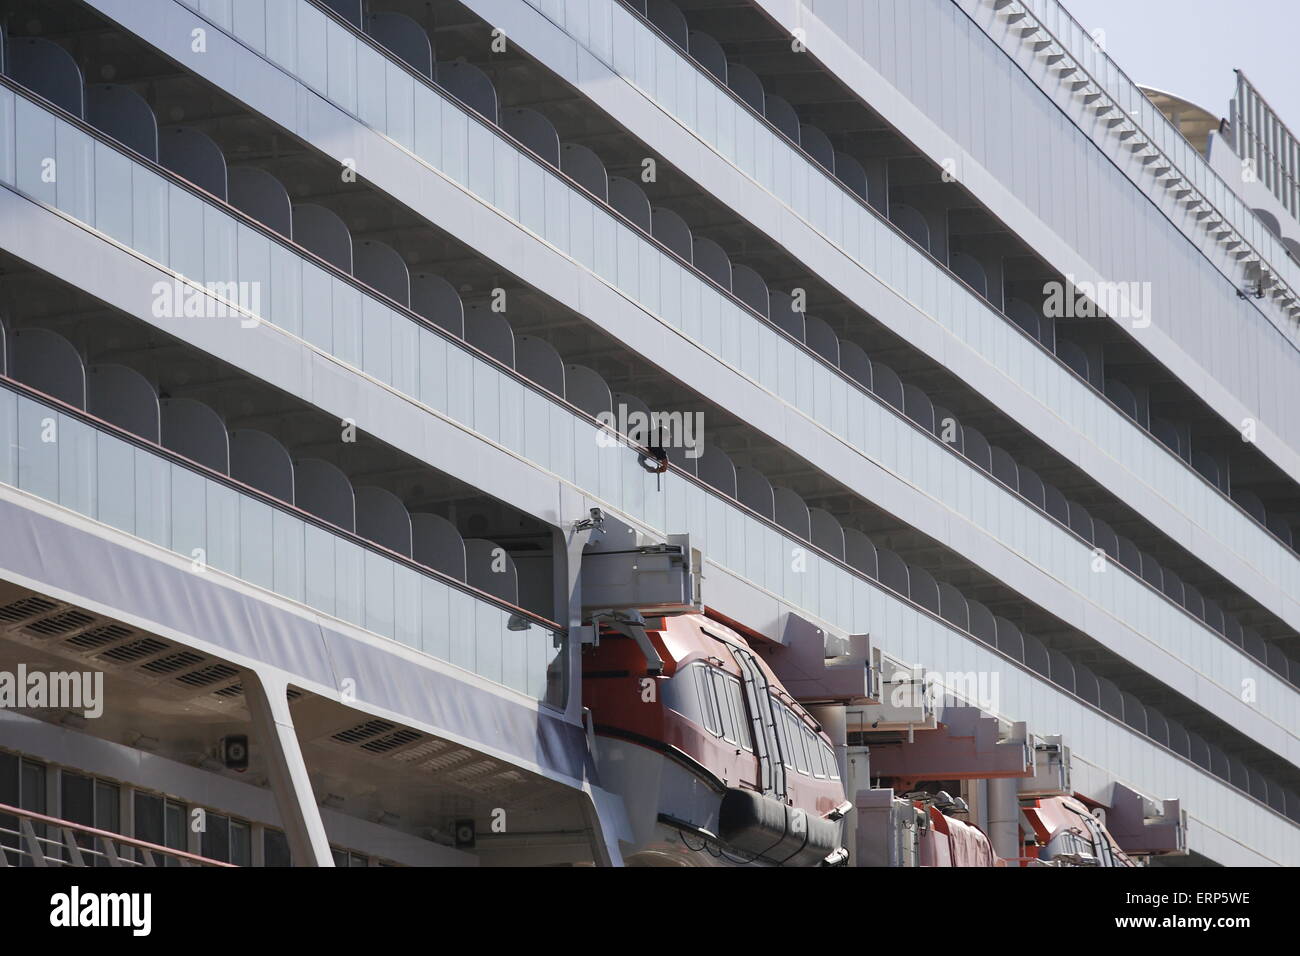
[442, 762]
[378, 736]
[97, 637]
[206, 676]
[448, 762]
[430, 748]
[363, 731]
[115, 647]
[173, 663]
[237, 690]
[58, 624]
[399, 738]
[135, 650]
[25, 608]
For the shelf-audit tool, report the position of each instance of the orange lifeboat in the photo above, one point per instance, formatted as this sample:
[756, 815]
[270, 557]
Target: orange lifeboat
[1067, 834]
[716, 762]
[953, 842]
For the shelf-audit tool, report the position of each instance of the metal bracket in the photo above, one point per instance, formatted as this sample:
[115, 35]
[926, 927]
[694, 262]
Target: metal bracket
[630, 624]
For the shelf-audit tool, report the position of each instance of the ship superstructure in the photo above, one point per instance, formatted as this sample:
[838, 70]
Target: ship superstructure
[524, 432]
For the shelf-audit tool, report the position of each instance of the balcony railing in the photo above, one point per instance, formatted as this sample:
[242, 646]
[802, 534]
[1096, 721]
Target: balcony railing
[1055, 31]
[34, 839]
[1258, 134]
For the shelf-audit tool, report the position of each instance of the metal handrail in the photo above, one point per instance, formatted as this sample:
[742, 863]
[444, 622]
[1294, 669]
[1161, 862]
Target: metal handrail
[105, 847]
[1282, 156]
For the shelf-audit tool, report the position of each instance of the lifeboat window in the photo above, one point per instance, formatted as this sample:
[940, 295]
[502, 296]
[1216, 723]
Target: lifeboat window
[737, 697]
[793, 728]
[816, 759]
[681, 694]
[727, 719]
[828, 758]
[783, 734]
[708, 703]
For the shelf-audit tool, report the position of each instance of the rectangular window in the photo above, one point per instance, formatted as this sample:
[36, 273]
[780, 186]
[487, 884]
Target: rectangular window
[708, 706]
[77, 797]
[162, 821]
[795, 735]
[743, 724]
[345, 858]
[815, 760]
[727, 718]
[226, 839]
[108, 806]
[92, 803]
[275, 848]
[215, 843]
[241, 843]
[22, 785]
[782, 733]
[832, 765]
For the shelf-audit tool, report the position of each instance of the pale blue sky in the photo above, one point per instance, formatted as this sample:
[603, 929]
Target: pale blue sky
[1190, 47]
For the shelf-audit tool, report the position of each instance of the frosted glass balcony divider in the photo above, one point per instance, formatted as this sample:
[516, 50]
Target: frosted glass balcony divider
[143, 492]
[457, 145]
[766, 556]
[832, 210]
[337, 317]
[448, 139]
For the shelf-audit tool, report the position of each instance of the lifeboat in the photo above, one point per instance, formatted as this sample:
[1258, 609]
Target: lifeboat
[948, 841]
[716, 763]
[1065, 833]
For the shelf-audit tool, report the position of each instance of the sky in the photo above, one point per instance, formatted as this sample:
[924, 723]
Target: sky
[1190, 47]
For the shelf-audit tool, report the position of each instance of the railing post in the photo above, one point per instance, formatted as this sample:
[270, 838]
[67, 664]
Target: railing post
[34, 847]
[74, 851]
[110, 851]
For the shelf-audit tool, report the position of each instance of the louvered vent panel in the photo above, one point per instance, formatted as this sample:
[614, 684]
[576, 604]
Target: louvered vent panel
[97, 637]
[134, 651]
[391, 742]
[429, 748]
[363, 731]
[172, 662]
[59, 623]
[211, 674]
[25, 608]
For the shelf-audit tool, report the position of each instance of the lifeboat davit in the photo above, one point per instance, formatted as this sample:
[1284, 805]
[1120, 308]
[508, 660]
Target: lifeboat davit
[716, 763]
